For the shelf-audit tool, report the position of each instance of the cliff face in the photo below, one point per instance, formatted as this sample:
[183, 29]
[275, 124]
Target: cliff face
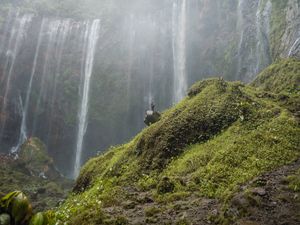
[290, 38]
[136, 61]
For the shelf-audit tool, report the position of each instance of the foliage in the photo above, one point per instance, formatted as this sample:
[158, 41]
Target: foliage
[24, 174]
[294, 181]
[17, 205]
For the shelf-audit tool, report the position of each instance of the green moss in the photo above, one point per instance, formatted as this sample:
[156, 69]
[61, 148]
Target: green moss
[195, 119]
[241, 153]
[152, 211]
[34, 156]
[165, 186]
[294, 181]
[23, 174]
[183, 221]
[102, 166]
[281, 77]
[222, 135]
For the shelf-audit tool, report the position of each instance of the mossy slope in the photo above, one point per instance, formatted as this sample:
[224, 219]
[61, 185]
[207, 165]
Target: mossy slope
[222, 135]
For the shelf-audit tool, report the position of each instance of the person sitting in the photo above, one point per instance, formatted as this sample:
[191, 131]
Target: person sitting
[151, 116]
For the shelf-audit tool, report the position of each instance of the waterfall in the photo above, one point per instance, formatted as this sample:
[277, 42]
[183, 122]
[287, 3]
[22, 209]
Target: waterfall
[179, 50]
[62, 34]
[52, 31]
[150, 87]
[253, 27]
[23, 128]
[61, 38]
[91, 38]
[132, 37]
[240, 21]
[17, 35]
[263, 16]
[294, 47]
[20, 33]
[151, 56]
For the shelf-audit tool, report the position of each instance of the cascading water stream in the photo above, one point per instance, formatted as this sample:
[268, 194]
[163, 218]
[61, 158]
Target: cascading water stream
[91, 38]
[132, 36]
[179, 50]
[63, 32]
[253, 26]
[61, 39]
[25, 20]
[294, 47]
[240, 21]
[150, 87]
[52, 32]
[23, 128]
[17, 34]
[151, 61]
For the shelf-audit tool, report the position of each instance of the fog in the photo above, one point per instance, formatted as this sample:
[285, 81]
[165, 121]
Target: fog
[79, 75]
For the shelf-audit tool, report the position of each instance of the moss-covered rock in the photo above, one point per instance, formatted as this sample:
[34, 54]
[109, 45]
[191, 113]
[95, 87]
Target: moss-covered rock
[222, 135]
[34, 174]
[35, 159]
[194, 120]
[281, 77]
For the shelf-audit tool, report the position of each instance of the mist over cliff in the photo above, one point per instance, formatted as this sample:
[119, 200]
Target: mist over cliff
[80, 76]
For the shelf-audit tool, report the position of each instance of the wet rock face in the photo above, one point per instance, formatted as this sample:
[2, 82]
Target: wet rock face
[246, 25]
[291, 36]
[9, 123]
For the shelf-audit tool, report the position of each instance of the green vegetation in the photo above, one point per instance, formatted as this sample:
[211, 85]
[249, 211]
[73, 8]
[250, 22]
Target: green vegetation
[281, 77]
[294, 181]
[34, 174]
[222, 135]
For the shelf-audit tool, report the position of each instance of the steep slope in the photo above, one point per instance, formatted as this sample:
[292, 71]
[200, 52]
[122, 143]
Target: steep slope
[188, 166]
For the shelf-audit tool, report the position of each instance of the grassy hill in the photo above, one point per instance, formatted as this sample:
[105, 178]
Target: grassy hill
[210, 159]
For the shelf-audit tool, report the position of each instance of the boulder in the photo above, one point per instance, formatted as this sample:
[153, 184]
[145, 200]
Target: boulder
[34, 157]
